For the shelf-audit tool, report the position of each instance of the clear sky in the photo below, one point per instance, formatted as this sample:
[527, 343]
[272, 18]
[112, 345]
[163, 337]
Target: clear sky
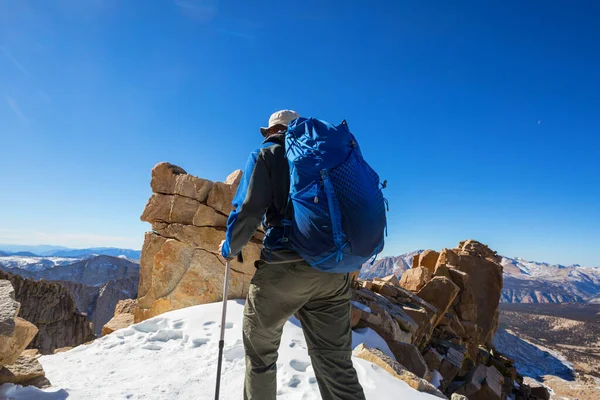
[484, 116]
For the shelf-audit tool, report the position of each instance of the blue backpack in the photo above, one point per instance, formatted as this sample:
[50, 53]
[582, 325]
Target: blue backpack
[339, 217]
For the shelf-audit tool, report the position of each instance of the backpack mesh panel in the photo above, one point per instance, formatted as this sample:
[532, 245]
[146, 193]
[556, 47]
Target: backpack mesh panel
[361, 204]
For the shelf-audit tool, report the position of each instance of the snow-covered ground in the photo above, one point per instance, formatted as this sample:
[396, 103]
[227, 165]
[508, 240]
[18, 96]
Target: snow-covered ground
[174, 355]
[35, 263]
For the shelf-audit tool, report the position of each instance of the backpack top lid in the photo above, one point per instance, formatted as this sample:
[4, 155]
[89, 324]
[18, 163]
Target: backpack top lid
[313, 145]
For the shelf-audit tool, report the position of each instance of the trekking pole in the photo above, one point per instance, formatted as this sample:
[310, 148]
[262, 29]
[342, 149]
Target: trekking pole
[223, 319]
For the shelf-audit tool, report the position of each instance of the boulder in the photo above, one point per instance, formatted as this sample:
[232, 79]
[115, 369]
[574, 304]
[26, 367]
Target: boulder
[9, 308]
[220, 197]
[126, 306]
[23, 370]
[119, 321]
[439, 292]
[164, 177]
[442, 270]
[477, 249]
[484, 280]
[410, 357]
[428, 259]
[433, 359]
[391, 279]
[484, 383]
[451, 365]
[415, 278]
[539, 393]
[382, 307]
[12, 346]
[396, 369]
[415, 261]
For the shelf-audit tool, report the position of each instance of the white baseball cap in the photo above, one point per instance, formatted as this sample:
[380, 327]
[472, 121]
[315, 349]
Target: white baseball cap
[282, 117]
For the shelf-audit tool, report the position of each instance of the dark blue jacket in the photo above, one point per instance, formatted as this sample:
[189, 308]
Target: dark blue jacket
[262, 197]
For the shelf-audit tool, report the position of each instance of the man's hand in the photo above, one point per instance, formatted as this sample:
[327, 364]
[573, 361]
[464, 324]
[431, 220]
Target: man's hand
[221, 249]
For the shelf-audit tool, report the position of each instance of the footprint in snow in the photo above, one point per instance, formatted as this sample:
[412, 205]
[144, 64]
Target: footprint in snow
[164, 335]
[151, 346]
[207, 323]
[151, 325]
[299, 366]
[199, 342]
[178, 324]
[236, 352]
[295, 381]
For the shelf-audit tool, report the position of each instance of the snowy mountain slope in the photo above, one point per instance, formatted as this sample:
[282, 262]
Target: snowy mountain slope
[33, 264]
[59, 251]
[388, 266]
[539, 282]
[174, 356]
[93, 271]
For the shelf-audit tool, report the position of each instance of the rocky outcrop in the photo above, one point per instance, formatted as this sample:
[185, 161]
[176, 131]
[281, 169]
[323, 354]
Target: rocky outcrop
[123, 316]
[437, 321]
[50, 307]
[98, 302]
[16, 366]
[180, 265]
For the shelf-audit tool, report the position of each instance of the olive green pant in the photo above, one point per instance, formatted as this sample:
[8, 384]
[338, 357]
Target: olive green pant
[321, 301]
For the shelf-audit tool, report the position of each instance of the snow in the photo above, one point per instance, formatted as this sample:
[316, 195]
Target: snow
[436, 378]
[174, 355]
[35, 263]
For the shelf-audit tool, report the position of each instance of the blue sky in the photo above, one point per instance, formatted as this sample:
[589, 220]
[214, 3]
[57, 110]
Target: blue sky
[484, 116]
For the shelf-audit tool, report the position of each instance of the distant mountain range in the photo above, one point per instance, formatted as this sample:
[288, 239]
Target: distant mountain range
[58, 251]
[524, 281]
[96, 283]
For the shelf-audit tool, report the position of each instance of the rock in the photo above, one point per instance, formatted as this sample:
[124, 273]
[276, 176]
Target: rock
[367, 285]
[477, 249]
[192, 187]
[62, 350]
[183, 276]
[158, 208]
[415, 261]
[391, 279]
[439, 292]
[152, 244]
[451, 365]
[164, 177]
[442, 270]
[383, 307]
[11, 347]
[220, 197]
[456, 396]
[51, 308]
[355, 316]
[484, 280]
[415, 278]
[126, 306]
[234, 179]
[483, 383]
[24, 369]
[117, 322]
[9, 308]
[410, 357]
[428, 259]
[396, 369]
[540, 393]
[35, 353]
[433, 359]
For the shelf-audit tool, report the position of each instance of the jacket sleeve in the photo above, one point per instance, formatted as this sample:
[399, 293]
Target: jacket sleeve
[253, 197]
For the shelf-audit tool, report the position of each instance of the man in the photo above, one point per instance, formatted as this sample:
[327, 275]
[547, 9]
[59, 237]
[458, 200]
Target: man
[284, 284]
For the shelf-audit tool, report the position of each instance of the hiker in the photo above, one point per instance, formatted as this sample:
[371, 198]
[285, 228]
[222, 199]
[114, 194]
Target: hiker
[284, 283]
